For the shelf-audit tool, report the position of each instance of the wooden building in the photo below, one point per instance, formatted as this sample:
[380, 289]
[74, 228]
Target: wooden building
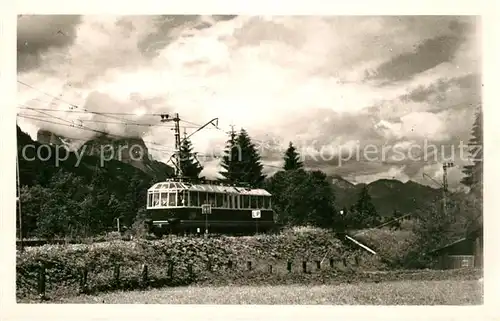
[466, 252]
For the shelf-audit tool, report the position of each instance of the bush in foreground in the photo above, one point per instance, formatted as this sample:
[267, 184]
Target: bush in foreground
[221, 260]
[190, 257]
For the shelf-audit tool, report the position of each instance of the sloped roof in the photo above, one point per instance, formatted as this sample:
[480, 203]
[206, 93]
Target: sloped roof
[210, 188]
[447, 245]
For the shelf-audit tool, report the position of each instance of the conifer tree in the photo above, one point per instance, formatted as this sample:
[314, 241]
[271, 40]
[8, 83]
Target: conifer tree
[292, 159]
[474, 172]
[363, 213]
[230, 159]
[250, 169]
[189, 166]
[241, 160]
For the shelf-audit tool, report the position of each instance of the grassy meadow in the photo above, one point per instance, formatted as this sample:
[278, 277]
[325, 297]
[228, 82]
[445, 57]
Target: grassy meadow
[448, 292]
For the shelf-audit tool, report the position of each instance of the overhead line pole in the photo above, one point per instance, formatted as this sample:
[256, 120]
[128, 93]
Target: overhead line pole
[178, 141]
[18, 178]
[445, 185]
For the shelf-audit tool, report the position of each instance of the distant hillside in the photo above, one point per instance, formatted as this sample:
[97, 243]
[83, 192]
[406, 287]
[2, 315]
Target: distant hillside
[387, 194]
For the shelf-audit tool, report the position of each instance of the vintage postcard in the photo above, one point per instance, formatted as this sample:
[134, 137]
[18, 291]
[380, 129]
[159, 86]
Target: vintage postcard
[250, 159]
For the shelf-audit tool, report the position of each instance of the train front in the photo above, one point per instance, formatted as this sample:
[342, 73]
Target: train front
[181, 208]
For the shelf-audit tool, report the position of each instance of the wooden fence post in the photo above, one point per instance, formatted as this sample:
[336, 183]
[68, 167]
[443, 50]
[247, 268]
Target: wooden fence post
[356, 259]
[304, 266]
[190, 270]
[41, 282]
[270, 269]
[331, 263]
[249, 265]
[209, 265]
[170, 271]
[289, 266]
[116, 275]
[144, 275]
[83, 280]
[318, 265]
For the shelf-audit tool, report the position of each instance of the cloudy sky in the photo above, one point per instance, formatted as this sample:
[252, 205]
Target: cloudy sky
[359, 96]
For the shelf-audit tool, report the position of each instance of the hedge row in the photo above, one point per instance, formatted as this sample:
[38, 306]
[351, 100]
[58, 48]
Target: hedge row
[188, 260]
[64, 263]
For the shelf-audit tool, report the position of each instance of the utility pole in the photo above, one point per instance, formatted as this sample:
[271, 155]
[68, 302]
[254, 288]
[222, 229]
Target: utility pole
[176, 119]
[445, 185]
[18, 198]
[177, 133]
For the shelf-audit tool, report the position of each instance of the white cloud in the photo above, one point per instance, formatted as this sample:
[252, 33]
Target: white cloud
[394, 172]
[418, 125]
[267, 75]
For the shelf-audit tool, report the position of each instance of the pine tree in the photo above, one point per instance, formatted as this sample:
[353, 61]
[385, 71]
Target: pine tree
[249, 167]
[474, 173]
[189, 166]
[241, 162]
[292, 159]
[363, 213]
[230, 159]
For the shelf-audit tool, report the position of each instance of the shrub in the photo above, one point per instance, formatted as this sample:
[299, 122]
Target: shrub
[64, 263]
[393, 247]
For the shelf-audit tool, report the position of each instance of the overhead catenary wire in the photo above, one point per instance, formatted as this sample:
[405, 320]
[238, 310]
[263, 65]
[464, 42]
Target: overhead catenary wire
[71, 105]
[111, 122]
[76, 109]
[44, 110]
[164, 150]
[97, 113]
[92, 130]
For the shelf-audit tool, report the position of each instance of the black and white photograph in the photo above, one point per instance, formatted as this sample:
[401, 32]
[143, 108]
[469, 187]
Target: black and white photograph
[249, 159]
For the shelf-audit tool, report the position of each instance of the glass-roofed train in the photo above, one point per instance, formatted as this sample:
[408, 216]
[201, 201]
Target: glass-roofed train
[181, 207]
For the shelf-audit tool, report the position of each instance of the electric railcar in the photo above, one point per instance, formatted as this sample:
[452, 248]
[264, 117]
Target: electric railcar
[181, 207]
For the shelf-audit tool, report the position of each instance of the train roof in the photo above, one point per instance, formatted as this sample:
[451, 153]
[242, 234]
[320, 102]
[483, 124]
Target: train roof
[211, 188]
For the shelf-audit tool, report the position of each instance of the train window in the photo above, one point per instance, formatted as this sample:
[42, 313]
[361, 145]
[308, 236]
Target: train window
[203, 198]
[163, 199]
[171, 199]
[219, 197]
[246, 201]
[181, 198]
[156, 199]
[253, 201]
[267, 203]
[211, 199]
[194, 199]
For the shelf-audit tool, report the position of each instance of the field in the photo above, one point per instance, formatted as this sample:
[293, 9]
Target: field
[448, 292]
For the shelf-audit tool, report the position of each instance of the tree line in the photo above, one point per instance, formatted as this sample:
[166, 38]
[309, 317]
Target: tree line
[60, 203]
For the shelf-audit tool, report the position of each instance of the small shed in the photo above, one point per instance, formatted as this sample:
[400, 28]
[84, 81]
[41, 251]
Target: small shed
[466, 252]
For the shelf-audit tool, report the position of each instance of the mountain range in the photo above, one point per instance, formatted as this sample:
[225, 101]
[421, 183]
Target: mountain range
[387, 195]
[38, 160]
